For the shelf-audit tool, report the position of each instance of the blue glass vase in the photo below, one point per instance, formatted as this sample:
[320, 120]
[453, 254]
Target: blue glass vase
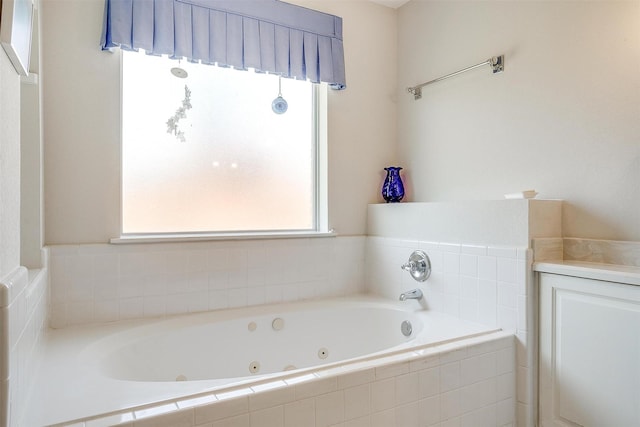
[392, 189]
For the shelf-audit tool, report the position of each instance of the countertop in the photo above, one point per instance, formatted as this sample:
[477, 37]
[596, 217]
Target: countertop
[626, 274]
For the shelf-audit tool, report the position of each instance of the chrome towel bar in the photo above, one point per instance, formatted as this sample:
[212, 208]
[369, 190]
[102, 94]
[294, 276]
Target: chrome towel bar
[496, 63]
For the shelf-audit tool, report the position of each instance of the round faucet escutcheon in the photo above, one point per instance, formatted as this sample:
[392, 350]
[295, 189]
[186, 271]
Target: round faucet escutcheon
[419, 266]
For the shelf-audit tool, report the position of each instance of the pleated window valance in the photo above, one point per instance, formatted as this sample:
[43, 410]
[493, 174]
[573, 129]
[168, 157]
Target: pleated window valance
[268, 35]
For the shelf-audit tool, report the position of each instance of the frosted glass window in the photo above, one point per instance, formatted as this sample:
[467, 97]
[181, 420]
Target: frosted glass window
[206, 153]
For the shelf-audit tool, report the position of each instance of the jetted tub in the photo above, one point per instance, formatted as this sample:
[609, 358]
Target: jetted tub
[239, 346]
[95, 370]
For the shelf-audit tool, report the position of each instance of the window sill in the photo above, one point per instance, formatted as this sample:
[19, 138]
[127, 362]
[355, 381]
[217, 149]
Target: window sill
[200, 237]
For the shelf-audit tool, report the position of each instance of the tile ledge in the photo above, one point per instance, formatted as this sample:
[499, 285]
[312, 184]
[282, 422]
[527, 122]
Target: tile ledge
[12, 284]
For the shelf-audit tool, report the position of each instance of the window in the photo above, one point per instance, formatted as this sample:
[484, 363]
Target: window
[207, 153]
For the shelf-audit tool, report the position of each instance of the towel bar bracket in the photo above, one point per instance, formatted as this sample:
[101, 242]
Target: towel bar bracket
[497, 64]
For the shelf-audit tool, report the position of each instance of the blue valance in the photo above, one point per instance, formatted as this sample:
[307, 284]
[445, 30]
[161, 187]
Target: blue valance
[268, 35]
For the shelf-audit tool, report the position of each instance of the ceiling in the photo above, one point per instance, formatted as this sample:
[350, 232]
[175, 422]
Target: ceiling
[391, 3]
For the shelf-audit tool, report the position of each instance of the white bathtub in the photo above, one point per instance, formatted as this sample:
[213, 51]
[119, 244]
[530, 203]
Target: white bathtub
[120, 368]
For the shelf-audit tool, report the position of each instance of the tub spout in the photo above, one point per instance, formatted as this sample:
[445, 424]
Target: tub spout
[414, 294]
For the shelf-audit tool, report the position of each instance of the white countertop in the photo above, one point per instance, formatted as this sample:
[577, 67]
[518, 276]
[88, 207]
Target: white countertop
[626, 274]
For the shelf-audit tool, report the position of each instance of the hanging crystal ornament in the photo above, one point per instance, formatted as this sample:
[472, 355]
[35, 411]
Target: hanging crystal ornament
[279, 105]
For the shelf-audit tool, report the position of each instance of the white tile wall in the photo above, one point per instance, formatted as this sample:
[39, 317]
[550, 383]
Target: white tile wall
[23, 317]
[101, 283]
[459, 385]
[485, 284]
[472, 282]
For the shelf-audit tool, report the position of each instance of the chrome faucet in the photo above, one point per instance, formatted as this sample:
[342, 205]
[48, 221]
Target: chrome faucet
[413, 294]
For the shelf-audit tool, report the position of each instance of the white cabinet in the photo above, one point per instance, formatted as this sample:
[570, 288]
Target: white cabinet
[589, 352]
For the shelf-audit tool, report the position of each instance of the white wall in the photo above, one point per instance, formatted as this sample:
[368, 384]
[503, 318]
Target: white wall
[564, 117]
[30, 177]
[9, 166]
[80, 124]
[81, 119]
[31, 171]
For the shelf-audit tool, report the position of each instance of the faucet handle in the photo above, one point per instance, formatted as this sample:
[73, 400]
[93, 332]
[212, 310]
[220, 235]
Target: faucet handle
[419, 266]
[410, 266]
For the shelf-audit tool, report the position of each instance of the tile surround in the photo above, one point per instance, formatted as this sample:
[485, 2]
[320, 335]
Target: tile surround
[404, 390]
[103, 283]
[492, 285]
[23, 316]
[475, 283]
[84, 284]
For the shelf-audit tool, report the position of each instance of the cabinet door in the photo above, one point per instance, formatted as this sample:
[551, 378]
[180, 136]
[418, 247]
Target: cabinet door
[589, 353]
